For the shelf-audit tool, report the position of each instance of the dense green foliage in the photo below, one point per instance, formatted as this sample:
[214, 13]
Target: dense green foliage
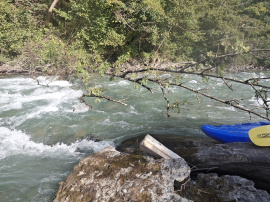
[90, 34]
[14, 29]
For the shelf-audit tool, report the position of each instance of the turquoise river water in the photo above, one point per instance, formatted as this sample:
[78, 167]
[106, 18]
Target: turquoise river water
[46, 130]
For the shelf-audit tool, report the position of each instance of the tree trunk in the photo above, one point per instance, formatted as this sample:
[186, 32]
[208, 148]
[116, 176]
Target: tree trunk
[51, 8]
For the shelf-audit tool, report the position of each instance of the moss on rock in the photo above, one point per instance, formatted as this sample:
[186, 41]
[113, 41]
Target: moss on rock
[112, 175]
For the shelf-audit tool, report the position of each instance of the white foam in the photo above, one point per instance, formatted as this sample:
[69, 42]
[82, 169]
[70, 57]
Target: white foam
[124, 83]
[193, 81]
[220, 84]
[227, 108]
[256, 102]
[17, 83]
[10, 101]
[120, 83]
[12, 105]
[39, 100]
[98, 111]
[13, 142]
[80, 108]
[133, 111]
[121, 124]
[164, 76]
[53, 81]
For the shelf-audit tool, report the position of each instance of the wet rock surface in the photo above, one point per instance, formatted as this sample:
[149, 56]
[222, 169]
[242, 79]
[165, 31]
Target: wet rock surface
[244, 159]
[206, 155]
[211, 187]
[115, 176]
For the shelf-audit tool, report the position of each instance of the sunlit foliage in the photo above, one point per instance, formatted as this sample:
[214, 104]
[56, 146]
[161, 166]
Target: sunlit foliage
[108, 33]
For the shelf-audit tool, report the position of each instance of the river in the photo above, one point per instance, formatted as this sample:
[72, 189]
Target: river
[45, 129]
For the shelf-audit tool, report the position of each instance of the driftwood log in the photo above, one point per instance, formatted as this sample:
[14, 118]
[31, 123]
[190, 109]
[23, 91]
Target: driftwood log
[155, 148]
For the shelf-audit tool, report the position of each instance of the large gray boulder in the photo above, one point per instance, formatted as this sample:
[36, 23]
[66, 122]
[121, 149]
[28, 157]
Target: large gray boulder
[114, 176]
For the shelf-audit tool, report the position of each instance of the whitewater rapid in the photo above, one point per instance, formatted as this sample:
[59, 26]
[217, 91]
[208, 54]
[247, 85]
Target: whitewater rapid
[45, 129]
[29, 113]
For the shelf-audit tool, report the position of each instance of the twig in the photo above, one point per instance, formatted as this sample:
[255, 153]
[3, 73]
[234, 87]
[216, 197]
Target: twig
[83, 100]
[260, 95]
[202, 72]
[166, 99]
[104, 97]
[227, 84]
[123, 76]
[198, 99]
[162, 42]
[221, 4]
[183, 185]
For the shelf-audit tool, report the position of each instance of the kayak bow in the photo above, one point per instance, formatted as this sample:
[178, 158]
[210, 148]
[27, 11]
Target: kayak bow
[232, 133]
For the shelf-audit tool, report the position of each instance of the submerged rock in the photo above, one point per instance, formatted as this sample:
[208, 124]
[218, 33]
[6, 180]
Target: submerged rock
[114, 176]
[210, 187]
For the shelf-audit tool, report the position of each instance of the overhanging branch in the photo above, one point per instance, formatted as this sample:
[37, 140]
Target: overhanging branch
[224, 56]
[252, 82]
[220, 100]
[137, 80]
[104, 97]
[246, 82]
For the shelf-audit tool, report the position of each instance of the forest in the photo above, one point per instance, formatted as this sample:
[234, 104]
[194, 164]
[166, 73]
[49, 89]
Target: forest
[77, 38]
[98, 34]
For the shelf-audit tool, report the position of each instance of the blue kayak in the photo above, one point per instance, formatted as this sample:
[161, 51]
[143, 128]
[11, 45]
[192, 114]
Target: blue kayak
[231, 133]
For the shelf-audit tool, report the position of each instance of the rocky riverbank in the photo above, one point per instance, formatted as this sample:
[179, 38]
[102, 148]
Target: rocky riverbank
[129, 174]
[12, 69]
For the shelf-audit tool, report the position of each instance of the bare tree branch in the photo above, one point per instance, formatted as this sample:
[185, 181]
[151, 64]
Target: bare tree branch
[252, 82]
[137, 80]
[162, 41]
[166, 99]
[248, 82]
[83, 100]
[228, 102]
[230, 87]
[224, 56]
[104, 97]
[233, 103]
[265, 102]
